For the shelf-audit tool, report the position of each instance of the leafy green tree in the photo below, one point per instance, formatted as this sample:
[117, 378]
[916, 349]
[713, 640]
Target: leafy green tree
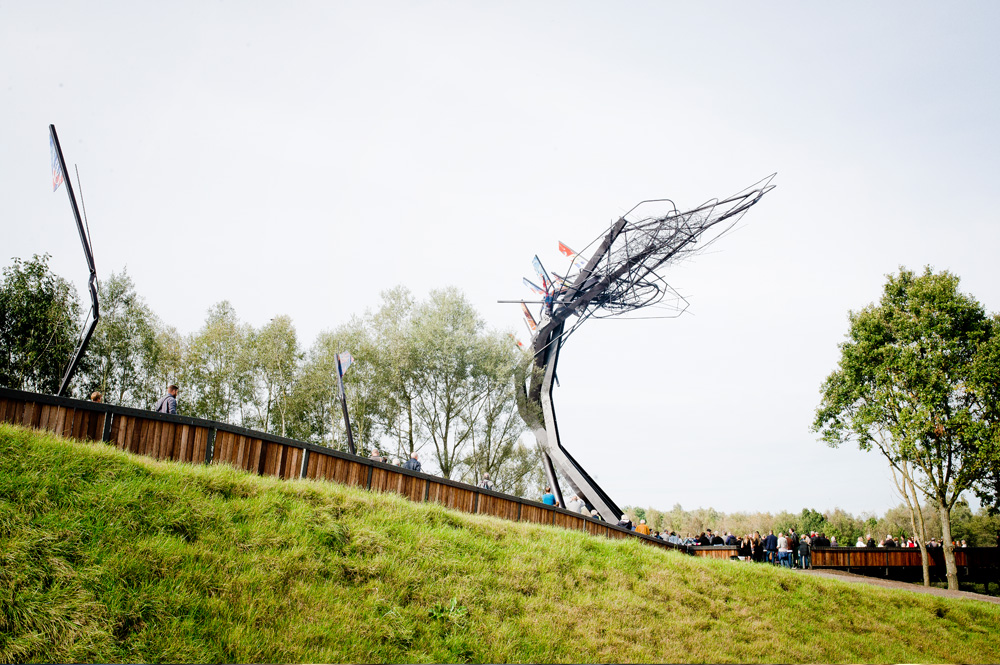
[217, 373]
[274, 362]
[986, 383]
[906, 380]
[394, 354]
[316, 400]
[39, 314]
[812, 520]
[493, 418]
[125, 348]
[450, 373]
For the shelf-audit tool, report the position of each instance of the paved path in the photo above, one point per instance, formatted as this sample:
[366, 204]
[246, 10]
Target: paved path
[893, 584]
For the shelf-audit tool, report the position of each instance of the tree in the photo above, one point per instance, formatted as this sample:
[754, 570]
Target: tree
[450, 373]
[906, 379]
[986, 382]
[39, 314]
[217, 367]
[273, 358]
[125, 348]
[493, 418]
[316, 399]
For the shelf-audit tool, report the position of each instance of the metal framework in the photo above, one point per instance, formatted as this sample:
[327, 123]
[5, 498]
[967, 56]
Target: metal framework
[621, 277]
[59, 175]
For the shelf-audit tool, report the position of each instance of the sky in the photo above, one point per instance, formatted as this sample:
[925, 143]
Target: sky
[300, 158]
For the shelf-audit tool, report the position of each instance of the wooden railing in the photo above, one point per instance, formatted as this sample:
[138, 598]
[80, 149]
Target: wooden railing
[902, 557]
[199, 441]
[982, 563]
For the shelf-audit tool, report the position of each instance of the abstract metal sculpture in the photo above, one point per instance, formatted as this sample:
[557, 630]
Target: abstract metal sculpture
[620, 277]
[59, 176]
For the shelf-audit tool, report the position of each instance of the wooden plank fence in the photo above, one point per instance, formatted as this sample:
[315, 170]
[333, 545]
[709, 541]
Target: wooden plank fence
[973, 563]
[199, 441]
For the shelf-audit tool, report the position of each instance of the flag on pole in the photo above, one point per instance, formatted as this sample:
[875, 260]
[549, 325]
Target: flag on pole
[346, 360]
[578, 261]
[534, 287]
[540, 270]
[57, 172]
[529, 318]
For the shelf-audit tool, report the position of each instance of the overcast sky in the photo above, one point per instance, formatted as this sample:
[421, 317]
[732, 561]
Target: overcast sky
[299, 158]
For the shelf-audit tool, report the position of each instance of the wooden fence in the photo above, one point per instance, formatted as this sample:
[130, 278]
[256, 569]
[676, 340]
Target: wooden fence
[973, 563]
[198, 441]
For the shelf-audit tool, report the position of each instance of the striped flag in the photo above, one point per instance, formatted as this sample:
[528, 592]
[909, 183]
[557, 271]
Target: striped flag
[540, 270]
[57, 172]
[578, 261]
[346, 360]
[529, 318]
[534, 287]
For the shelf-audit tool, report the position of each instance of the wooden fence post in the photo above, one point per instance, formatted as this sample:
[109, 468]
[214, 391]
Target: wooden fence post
[210, 446]
[106, 435]
[305, 463]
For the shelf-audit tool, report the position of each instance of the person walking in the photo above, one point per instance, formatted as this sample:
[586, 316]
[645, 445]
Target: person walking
[413, 464]
[168, 403]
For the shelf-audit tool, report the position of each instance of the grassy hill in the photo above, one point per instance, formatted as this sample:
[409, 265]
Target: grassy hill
[109, 557]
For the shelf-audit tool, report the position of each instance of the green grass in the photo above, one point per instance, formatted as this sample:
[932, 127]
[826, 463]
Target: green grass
[110, 557]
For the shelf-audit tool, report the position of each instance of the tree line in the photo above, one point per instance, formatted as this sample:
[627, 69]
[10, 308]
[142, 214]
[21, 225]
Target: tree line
[428, 375]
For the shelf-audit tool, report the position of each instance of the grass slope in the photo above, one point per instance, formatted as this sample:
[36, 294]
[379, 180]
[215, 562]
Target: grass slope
[110, 557]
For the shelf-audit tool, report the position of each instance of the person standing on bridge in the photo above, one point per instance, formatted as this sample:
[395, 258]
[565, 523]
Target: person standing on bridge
[413, 464]
[805, 553]
[168, 403]
[643, 528]
[771, 547]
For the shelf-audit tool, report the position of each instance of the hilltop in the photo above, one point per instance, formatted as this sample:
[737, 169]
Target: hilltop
[113, 557]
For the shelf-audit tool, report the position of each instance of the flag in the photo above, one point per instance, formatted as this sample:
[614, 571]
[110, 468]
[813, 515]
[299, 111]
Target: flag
[578, 261]
[346, 360]
[57, 172]
[529, 317]
[540, 269]
[534, 287]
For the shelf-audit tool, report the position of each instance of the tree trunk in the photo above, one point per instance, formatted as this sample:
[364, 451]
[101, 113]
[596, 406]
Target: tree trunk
[949, 549]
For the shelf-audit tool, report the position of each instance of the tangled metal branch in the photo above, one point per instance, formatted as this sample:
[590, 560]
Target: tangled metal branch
[622, 276]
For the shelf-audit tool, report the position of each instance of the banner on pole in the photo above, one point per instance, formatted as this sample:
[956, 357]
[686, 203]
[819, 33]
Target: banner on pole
[57, 171]
[346, 360]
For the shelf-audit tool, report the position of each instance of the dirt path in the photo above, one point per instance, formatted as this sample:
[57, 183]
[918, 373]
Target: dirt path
[892, 584]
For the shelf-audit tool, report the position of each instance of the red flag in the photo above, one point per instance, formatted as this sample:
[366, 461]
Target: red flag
[566, 250]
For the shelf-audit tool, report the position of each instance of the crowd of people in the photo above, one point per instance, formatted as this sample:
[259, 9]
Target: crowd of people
[787, 549]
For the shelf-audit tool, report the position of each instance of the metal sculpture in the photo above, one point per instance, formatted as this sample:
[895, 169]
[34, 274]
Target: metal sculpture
[59, 176]
[621, 277]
